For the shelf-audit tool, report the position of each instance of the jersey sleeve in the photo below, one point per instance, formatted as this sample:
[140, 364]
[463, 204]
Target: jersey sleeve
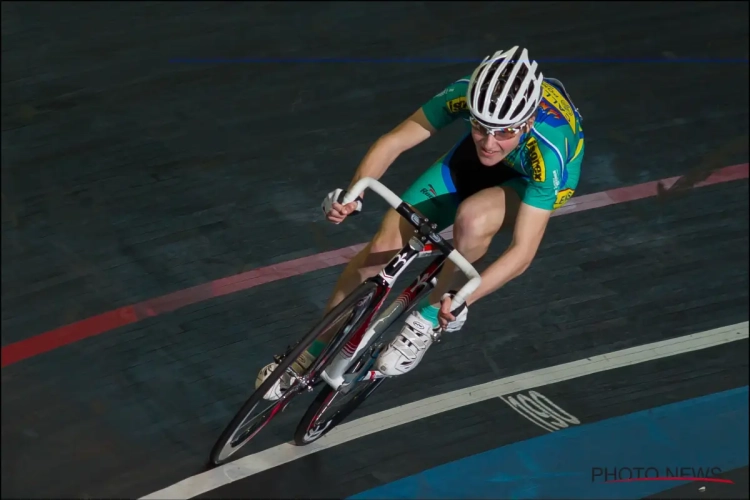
[448, 105]
[544, 168]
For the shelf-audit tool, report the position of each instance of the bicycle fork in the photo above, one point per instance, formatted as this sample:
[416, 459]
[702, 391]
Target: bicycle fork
[334, 374]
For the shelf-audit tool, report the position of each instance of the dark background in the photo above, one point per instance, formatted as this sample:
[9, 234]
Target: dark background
[127, 175]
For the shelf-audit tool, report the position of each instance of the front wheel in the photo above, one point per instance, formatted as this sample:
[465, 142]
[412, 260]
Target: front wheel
[254, 415]
[257, 412]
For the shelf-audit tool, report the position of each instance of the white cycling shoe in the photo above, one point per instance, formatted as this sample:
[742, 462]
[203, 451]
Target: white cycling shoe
[405, 352]
[285, 381]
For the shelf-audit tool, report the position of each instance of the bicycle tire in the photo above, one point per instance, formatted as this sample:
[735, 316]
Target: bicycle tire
[366, 291]
[306, 434]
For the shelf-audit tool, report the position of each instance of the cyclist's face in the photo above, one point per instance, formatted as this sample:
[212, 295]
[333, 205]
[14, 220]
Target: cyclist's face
[492, 148]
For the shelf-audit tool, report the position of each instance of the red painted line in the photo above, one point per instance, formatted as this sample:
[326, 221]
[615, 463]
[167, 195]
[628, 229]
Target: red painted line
[702, 479]
[48, 341]
[68, 334]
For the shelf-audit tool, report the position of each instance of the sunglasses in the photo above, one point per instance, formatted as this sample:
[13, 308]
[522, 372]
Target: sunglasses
[502, 132]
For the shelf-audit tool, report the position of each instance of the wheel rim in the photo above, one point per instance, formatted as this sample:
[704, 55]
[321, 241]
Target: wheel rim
[250, 426]
[320, 425]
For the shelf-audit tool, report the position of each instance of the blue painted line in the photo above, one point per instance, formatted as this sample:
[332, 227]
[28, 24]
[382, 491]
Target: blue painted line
[706, 432]
[443, 60]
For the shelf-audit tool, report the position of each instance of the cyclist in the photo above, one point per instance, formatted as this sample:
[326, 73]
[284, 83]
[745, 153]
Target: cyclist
[519, 161]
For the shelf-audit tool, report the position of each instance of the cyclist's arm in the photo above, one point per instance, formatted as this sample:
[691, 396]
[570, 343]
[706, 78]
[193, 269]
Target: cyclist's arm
[381, 155]
[531, 224]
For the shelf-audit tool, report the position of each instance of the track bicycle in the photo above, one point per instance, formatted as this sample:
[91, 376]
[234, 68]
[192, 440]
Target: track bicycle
[346, 363]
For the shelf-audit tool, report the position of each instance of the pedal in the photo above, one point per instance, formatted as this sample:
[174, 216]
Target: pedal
[363, 373]
[295, 377]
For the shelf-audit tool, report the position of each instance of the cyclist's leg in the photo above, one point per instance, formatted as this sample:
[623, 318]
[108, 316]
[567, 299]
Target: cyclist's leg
[391, 235]
[478, 219]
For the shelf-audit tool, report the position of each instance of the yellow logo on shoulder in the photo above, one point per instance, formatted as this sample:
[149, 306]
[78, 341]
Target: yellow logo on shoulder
[535, 160]
[456, 105]
[562, 197]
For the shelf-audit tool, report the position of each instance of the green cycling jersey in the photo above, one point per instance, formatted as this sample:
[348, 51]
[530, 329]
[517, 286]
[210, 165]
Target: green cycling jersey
[548, 157]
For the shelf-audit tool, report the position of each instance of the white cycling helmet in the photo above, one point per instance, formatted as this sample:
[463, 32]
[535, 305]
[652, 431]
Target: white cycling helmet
[505, 89]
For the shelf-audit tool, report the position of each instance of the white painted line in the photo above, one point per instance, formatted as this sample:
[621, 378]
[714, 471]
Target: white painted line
[278, 455]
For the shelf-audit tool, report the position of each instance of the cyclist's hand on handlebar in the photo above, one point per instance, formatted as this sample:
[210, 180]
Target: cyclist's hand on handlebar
[450, 319]
[339, 212]
[335, 211]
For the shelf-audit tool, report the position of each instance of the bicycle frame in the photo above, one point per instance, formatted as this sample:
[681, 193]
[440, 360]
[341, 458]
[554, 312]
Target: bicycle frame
[352, 342]
[370, 331]
[364, 305]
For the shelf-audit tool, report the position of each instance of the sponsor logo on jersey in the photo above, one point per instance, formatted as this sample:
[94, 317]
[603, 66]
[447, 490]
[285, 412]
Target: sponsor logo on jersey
[556, 102]
[551, 116]
[429, 190]
[430, 193]
[549, 110]
[456, 105]
[563, 197]
[533, 159]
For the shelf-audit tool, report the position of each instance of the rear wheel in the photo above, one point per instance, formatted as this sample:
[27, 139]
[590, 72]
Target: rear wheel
[257, 412]
[332, 407]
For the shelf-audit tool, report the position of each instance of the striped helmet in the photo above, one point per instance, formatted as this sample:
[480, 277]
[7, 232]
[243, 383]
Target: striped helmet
[505, 89]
